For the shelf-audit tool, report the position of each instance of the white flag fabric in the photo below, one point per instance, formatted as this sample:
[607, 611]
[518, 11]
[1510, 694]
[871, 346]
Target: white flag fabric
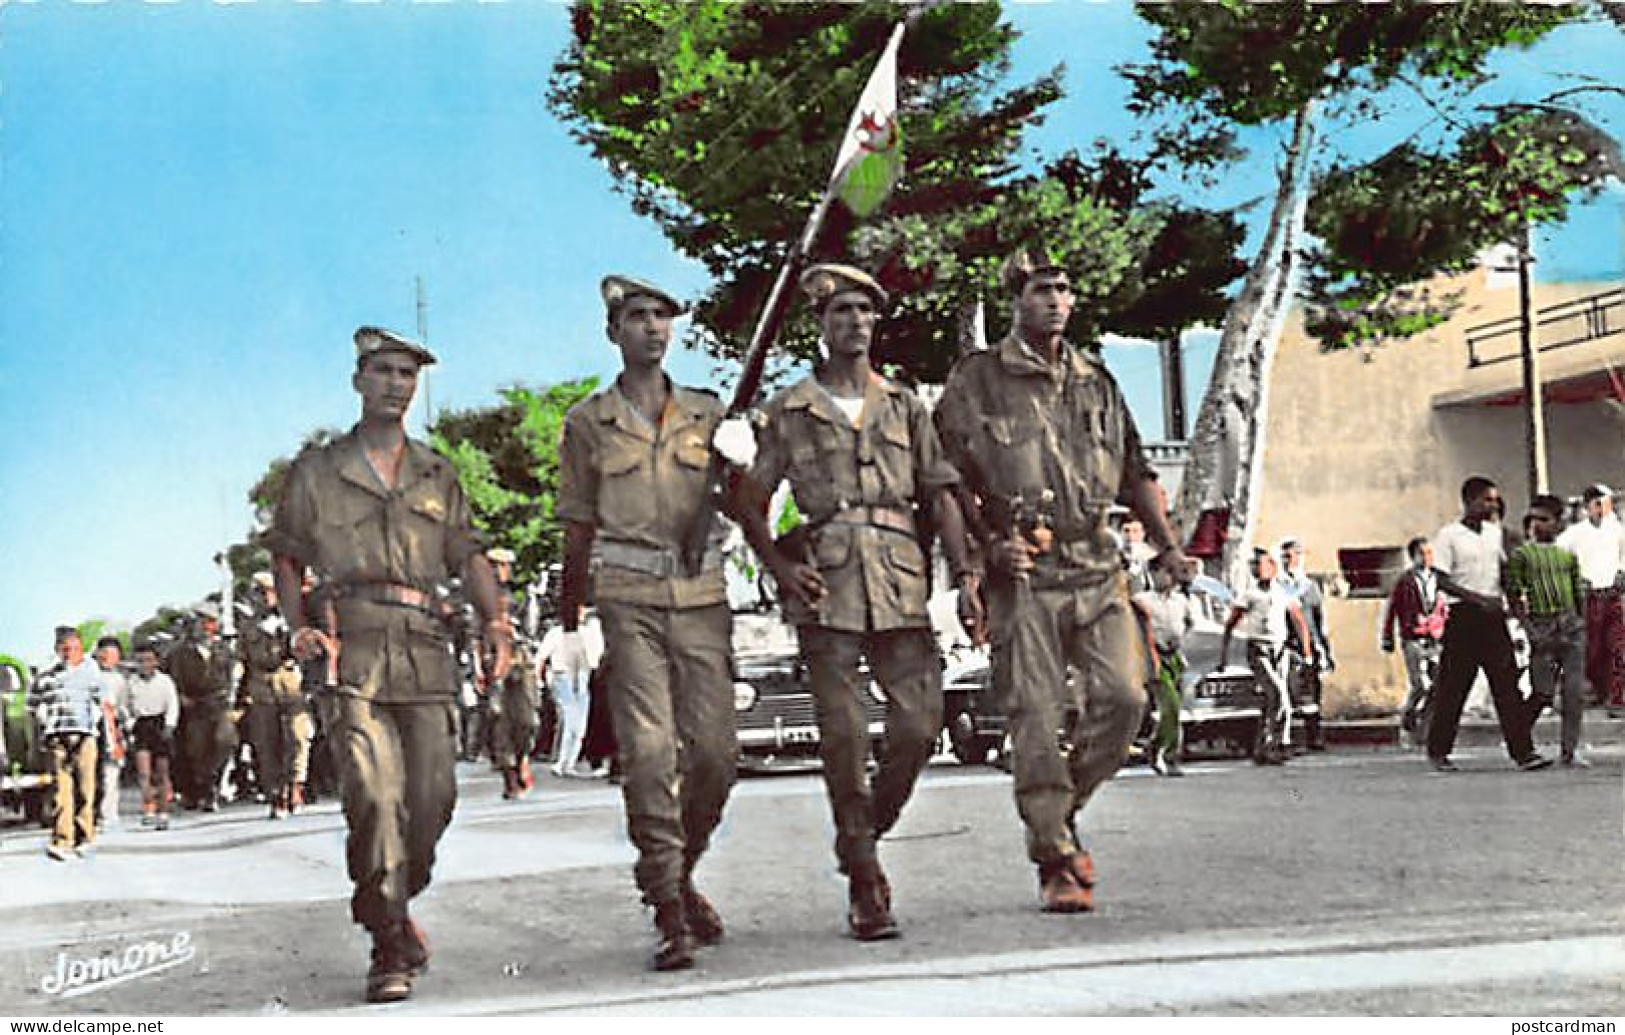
[871, 156]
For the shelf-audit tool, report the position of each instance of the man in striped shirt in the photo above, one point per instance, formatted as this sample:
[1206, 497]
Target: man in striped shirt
[1543, 580]
[67, 701]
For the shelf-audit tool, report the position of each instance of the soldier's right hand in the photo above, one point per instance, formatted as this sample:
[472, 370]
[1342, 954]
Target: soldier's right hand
[1013, 555]
[310, 643]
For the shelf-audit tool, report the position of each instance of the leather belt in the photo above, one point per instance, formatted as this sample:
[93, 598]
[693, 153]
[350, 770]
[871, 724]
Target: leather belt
[651, 560]
[891, 519]
[391, 593]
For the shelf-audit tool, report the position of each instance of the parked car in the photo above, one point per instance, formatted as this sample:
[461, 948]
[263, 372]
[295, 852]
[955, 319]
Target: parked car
[24, 782]
[774, 708]
[1221, 709]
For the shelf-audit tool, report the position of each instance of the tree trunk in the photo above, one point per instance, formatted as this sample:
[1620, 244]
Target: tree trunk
[1227, 447]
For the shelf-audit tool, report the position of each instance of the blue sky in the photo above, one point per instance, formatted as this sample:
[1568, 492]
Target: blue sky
[200, 202]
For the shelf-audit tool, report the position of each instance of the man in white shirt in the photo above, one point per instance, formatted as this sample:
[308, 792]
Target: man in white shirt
[1599, 544]
[1468, 555]
[108, 653]
[1262, 609]
[566, 661]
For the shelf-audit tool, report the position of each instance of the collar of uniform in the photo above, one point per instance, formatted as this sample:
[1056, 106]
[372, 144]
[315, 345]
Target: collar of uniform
[1019, 359]
[685, 404]
[807, 394]
[417, 462]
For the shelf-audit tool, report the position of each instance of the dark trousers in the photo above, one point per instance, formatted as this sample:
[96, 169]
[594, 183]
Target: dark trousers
[1477, 639]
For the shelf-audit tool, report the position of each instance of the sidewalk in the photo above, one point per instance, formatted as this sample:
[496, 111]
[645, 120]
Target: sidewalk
[1476, 730]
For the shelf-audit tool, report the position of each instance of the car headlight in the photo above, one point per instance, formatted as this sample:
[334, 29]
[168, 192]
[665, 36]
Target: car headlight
[744, 697]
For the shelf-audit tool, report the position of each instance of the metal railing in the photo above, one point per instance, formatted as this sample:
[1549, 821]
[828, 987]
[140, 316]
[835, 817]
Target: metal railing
[1556, 327]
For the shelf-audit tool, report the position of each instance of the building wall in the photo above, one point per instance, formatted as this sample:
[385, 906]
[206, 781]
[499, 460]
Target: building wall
[1357, 455]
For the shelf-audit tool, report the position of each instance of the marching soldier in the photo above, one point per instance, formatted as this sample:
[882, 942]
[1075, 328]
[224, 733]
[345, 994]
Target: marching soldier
[633, 466]
[864, 463]
[280, 725]
[201, 666]
[1046, 444]
[383, 523]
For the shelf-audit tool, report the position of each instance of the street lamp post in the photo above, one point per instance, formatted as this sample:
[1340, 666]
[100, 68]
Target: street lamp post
[1534, 408]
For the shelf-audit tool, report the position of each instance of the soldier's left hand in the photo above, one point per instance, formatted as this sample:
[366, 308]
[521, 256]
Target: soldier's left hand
[499, 651]
[1173, 559]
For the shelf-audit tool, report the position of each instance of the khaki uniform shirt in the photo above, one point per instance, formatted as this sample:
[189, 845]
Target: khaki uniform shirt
[875, 577]
[1016, 426]
[336, 516]
[202, 670]
[640, 485]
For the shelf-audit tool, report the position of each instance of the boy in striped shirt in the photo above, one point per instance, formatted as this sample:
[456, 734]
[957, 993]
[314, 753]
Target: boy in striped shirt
[1543, 582]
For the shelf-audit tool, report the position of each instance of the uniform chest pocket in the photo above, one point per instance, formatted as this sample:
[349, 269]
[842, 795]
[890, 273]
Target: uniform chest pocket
[1014, 459]
[693, 454]
[626, 493]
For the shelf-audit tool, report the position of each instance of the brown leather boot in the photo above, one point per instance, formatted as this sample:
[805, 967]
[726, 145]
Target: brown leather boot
[870, 916]
[389, 980]
[704, 922]
[527, 780]
[676, 949]
[414, 946]
[1082, 866]
[1060, 891]
[510, 783]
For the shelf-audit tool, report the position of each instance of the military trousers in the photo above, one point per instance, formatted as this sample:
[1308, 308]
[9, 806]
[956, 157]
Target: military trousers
[397, 779]
[513, 726]
[908, 668]
[670, 692]
[281, 733]
[1038, 630]
[207, 739]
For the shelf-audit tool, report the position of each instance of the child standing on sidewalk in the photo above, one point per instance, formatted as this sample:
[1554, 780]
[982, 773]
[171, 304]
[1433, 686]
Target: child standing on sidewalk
[1543, 581]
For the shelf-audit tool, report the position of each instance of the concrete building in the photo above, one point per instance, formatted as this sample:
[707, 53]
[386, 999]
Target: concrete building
[1365, 449]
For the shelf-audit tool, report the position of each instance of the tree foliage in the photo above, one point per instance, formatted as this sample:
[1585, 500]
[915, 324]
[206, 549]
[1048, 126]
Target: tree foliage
[1386, 227]
[720, 121]
[506, 457]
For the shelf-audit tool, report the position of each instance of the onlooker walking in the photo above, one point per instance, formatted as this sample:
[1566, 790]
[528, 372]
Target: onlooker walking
[1469, 560]
[67, 702]
[154, 708]
[566, 661]
[1415, 612]
[1318, 650]
[1543, 580]
[112, 741]
[1265, 607]
[1598, 543]
[1171, 616]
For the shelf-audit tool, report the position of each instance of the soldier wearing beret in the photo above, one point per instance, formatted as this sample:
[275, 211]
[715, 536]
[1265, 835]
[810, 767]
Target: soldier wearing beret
[383, 523]
[201, 666]
[1046, 444]
[279, 722]
[865, 466]
[633, 467]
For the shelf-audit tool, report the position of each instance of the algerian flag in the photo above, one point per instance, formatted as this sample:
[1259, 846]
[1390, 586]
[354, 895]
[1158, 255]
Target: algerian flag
[870, 161]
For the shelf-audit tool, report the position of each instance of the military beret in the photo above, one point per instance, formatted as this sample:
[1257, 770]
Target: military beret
[369, 341]
[206, 611]
[828, 279]
[616, 289]
[1023, 263]
[500, 555]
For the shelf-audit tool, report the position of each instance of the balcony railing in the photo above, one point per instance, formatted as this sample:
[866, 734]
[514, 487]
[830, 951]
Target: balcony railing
[1556, 327]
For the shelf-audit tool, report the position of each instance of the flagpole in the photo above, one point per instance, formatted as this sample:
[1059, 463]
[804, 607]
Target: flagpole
[775, 308]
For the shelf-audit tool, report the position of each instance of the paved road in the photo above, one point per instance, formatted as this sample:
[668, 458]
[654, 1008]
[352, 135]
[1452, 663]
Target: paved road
[1350, 883]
